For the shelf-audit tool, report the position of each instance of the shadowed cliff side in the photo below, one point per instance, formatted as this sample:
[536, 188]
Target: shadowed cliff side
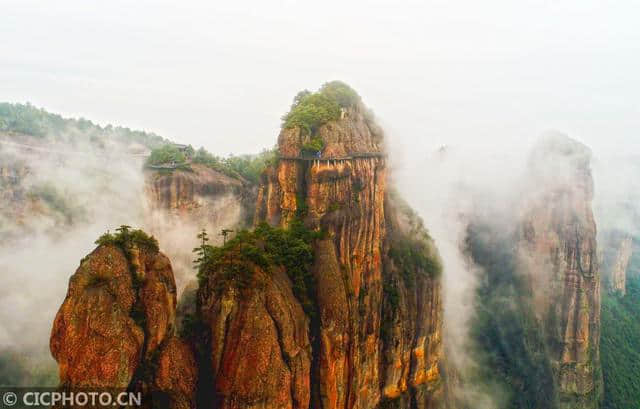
[558, 254]
[535, 332]
[412, 314]
[617, 251]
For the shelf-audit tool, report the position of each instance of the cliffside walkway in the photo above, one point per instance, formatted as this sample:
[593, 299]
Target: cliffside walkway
[168, 165]
[357, 155]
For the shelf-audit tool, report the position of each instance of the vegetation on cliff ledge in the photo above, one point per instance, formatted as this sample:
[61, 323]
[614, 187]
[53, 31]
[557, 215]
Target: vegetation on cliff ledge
[247, 167]
[310, 110]
[126, 239]
[414, 256]
[267, 248]
[411, 246]
[168, 153]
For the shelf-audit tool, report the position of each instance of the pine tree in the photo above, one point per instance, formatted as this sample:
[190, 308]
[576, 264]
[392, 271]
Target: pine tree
[201, 251]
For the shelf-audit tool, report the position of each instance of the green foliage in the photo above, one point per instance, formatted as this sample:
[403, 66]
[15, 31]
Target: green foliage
[165, 154]
[341, 93]
[508, 341]
[311, 110]
[268, 248]
[315, 144]
[201, 251]
[413, 256]
[302, 208]
[411, 248]
[126, 239]
[620, 347]
[27, 119]
[249, 167]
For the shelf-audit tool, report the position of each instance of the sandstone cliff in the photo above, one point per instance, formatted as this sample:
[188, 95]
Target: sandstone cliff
[333, 301]
[200, 193]
[376, 314]
[617, 252]
[180, 203]
[116, 326]
[558, 255]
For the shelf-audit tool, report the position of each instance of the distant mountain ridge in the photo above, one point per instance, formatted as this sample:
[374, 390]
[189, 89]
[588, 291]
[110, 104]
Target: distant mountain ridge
[30, 120]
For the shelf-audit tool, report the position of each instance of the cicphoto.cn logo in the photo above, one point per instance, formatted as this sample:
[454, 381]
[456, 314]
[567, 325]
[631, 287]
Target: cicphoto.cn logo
[24, 397]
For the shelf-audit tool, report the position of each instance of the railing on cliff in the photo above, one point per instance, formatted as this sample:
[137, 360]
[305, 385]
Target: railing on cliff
[356, 155]
[172, 165]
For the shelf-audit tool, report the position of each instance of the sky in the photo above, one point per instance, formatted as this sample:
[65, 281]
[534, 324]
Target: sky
[221, 74]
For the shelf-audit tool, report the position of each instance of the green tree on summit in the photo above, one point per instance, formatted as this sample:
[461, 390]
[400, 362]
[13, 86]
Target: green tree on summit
[311, 110]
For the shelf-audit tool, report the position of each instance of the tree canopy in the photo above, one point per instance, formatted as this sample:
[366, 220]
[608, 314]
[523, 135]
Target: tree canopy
[29, 120]
[310, 110]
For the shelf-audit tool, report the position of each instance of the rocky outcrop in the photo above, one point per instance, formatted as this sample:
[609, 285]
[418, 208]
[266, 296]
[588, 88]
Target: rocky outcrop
[412, 313]
[617, 252]
[183, 202]
[558, 254]
[115, 328]
[196, 192]
[259, 349]
[334, 303]
[344, 197]
[377, 338]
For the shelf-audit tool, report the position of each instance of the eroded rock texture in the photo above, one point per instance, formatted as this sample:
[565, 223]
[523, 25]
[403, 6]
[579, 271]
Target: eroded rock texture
[366, 334]
[259, 351]
[371, 346]
[197, 193]
[115, 328]
[559, 255]
[183, 202]
[618, 249]
[412, 316]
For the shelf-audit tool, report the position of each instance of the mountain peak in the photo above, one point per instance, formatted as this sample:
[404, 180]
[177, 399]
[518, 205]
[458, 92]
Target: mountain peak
[330, 123]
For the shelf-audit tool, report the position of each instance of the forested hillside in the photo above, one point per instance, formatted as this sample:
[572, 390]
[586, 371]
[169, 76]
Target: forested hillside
[620, 343]
[29, 120]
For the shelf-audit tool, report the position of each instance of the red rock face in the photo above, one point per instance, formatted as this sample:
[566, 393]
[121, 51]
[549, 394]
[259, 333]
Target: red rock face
[117, 321]
[94, 339]
[260, 354]
[375, 339]
[188, 192]
[181, 203]
[176, 373]
[618, 249]
[344, 193]
[559, 254]
[412, 337]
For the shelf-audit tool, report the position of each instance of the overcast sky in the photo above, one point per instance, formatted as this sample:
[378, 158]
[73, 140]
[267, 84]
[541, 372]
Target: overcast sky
[221, 74]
